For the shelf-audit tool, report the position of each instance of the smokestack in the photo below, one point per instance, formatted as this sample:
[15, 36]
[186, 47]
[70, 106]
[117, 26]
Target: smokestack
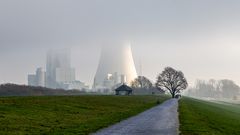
[115, 59]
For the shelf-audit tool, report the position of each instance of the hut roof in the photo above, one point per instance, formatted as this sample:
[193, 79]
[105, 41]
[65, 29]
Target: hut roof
[124, 87]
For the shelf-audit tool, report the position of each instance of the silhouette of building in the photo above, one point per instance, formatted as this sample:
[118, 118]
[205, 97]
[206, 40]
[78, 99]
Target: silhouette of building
[37, 79]
[123, 90]
[58, 68]
[32, 80]
[59, 73]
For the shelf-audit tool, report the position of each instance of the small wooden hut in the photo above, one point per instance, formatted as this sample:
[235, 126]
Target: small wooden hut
[123, 90]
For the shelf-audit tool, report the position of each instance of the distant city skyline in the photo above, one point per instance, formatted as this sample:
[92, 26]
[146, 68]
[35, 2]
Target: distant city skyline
[200, 38]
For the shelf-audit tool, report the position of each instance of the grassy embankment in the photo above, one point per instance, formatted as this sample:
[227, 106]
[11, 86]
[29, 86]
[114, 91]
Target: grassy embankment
[68, 114]
[199, 117]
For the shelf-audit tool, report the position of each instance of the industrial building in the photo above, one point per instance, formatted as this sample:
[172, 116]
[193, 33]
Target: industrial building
[59, 73]
[37, 79]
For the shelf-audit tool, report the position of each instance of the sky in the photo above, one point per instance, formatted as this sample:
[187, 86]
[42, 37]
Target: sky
[199, 37]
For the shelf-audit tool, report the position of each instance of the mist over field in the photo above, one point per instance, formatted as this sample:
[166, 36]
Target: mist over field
[215, 89]
[200, 38]
[120, 67]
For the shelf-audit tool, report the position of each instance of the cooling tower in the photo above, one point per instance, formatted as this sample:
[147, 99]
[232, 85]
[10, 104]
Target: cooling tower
[116, 60]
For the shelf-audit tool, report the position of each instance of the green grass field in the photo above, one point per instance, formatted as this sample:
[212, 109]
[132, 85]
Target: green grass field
[68, 114]
[199, 117]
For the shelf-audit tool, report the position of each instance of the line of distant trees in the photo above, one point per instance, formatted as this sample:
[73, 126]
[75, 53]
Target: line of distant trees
[24, 90]
[170, 80]
[214, 89]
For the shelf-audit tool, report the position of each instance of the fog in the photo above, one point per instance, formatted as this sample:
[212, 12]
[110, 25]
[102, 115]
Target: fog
[214, 89]
[200, 38]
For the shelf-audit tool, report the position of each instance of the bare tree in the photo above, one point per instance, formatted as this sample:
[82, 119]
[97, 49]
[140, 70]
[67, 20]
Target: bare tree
[229, 89]
[171, 80]
[142, 82]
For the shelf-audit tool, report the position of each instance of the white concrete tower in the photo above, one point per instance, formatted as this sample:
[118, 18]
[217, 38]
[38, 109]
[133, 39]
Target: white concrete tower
[115, 59]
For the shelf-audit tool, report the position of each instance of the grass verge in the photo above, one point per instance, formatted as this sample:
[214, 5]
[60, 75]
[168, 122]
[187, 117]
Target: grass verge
[199, 117]
[68, 114]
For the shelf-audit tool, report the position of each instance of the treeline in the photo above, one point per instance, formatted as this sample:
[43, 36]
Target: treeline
[24, 90]
[143, 86]
[215, 89]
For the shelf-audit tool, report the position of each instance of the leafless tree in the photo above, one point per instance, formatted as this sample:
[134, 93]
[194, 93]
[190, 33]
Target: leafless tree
[142, 82]
[171, 80]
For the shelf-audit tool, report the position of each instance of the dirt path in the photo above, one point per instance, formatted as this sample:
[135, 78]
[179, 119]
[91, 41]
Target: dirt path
[159, 120]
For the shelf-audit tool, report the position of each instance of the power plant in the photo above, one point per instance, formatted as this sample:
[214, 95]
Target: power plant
[59, 73]
[58, 68]
[116, 66]
[37, 79]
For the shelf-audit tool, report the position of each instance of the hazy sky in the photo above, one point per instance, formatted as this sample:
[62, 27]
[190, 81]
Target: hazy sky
[199, 37]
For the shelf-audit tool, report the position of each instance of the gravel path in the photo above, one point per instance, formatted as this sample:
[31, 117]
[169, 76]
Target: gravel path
[159, 120]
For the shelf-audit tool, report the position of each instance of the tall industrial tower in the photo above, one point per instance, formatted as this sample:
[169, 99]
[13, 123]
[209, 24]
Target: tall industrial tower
[116, 66]
[58, 68]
